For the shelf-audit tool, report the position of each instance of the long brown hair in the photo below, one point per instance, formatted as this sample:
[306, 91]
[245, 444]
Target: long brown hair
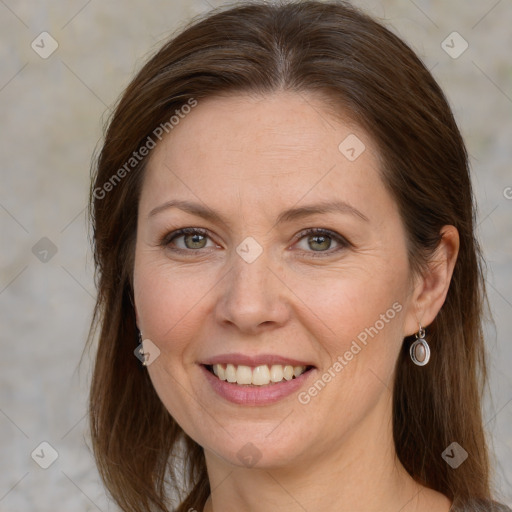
[342, 54]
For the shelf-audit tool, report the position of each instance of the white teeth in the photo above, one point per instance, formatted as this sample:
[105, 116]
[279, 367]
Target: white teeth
[221, 373]
[230, 373]
[243, 375]
[298, 370]
[276, 373]
[258, 376]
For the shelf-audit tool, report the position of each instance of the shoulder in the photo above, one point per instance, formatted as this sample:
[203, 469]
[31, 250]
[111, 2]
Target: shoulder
[476, 505]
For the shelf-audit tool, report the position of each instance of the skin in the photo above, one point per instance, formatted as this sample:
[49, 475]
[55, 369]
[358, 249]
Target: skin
[249, 158]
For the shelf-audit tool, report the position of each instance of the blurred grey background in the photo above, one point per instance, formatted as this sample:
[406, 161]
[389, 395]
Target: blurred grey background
[53, 101]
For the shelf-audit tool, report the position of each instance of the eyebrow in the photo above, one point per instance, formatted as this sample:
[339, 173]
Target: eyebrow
[286, 216]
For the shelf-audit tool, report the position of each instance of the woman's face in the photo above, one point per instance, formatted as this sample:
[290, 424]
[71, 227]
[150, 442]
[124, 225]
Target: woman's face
[258, 289]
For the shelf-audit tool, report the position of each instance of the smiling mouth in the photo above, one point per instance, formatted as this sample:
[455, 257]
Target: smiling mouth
[262, 375]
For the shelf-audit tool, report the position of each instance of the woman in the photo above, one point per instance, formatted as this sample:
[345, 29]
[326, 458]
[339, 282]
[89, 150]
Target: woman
[283, 234]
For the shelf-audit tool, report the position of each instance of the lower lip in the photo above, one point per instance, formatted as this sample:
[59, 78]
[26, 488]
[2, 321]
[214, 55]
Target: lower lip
[255, 395]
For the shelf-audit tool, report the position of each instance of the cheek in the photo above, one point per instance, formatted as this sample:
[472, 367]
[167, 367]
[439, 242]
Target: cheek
[168, 303]
[167, 299]
[354, 304]
[364, 319]
[363, 324]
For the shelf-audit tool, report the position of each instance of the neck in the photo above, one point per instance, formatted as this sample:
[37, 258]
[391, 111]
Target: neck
[362, 474]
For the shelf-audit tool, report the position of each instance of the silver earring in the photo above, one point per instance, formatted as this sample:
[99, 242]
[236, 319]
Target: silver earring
[420, 351]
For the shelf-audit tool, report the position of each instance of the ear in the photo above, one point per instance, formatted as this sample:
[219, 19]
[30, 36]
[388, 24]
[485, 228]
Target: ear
[431, 287]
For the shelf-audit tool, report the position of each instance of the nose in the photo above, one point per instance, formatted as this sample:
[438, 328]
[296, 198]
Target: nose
[253, 296]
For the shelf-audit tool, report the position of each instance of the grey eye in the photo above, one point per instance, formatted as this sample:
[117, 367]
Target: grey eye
[319, 242]
[194, 241]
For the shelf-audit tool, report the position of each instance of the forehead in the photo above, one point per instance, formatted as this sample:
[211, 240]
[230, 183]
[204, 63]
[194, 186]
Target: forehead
[256, 148]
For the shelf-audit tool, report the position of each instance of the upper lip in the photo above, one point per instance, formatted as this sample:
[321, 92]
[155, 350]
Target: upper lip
[255, 360]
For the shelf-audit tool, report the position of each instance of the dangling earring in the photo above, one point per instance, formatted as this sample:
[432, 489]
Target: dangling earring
[420, 351]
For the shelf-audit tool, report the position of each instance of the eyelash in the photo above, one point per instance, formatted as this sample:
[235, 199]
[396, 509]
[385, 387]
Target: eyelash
[343, 242]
